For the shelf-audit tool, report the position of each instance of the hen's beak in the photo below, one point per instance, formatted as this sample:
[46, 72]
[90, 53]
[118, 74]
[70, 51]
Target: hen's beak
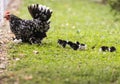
[4, 16]
[7, 13]
[7, 16]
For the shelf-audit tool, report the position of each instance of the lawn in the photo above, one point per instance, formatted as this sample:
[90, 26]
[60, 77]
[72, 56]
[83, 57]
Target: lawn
[74, 20]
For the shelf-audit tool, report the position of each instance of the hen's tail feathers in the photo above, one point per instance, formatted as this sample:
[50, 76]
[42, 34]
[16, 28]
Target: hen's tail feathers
[40, 12]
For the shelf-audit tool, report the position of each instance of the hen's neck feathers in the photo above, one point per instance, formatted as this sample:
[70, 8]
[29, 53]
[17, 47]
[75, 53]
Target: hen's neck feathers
[13, 17]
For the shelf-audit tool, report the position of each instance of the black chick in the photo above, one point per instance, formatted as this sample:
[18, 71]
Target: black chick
[62, 43]
[112, 49]
[104, 48]
[74, 46]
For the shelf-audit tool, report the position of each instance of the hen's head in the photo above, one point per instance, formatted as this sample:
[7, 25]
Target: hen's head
[7, 15]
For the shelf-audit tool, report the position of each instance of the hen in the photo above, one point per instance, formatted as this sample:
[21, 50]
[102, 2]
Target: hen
[31, 31]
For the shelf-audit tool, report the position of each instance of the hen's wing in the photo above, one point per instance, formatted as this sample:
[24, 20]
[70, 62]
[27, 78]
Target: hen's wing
[40, 12]
[21, 28]
[15, 22]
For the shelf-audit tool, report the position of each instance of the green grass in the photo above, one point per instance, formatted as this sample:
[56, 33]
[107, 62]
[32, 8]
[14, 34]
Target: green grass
[74, 20]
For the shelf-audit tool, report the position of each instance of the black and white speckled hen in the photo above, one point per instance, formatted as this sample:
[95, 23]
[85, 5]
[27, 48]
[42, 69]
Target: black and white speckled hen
[31, 31]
